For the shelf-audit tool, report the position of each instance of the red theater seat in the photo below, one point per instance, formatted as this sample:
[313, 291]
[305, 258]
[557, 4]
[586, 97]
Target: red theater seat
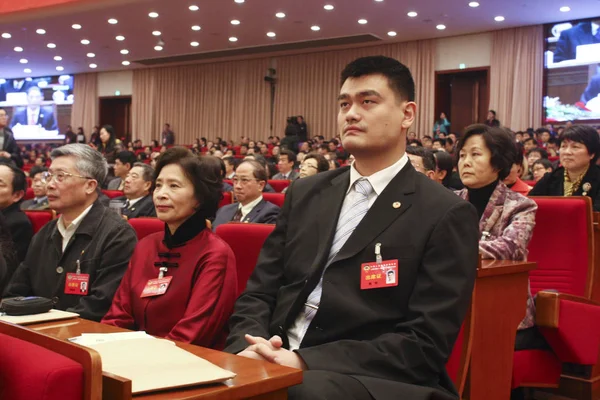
[39, 218]
[458, 362]
[28, 194]
[279, 184]
[246, 241]
[227, 199]
[111, 194]
[275, 198]
[146, 226]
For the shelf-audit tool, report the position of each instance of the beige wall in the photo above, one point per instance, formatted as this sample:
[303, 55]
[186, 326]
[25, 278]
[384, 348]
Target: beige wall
[471, 50]
[110, 82]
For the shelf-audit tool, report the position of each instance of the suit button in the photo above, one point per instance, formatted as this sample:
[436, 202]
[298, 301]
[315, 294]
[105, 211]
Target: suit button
[55, 300]
[59, 270]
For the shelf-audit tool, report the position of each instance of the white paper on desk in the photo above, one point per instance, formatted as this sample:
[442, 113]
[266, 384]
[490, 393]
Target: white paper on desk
[52, 315]
[157, 364]
[88, 339]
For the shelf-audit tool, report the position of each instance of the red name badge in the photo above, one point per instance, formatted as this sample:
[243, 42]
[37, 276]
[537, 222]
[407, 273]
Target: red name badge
[379, 275]
[77, 284]
[156, 287]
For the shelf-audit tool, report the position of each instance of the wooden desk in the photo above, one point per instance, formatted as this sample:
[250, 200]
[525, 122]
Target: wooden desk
[500, 301]
[257, 380]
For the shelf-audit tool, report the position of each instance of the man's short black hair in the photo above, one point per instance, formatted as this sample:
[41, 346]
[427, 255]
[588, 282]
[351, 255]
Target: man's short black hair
[528, 139]
[126, 157]
[400, 79]
[425, 154]
[231, 161]
[493, 112]
[36, 170]
[542, 151]
[539, 131]
[441, 141]
[586, 135]
[544, 162]
[19, 182]
[444, 162]
[291, 156]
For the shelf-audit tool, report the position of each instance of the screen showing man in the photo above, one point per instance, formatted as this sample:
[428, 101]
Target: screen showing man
[35, 114]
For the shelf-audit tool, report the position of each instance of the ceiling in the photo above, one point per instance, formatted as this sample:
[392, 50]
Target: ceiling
[257, 18]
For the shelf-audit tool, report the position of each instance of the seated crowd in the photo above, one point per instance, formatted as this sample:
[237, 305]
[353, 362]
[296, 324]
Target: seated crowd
[453, 196]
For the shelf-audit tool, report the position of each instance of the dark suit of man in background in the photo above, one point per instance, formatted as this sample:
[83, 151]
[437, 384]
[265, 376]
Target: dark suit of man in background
[592, 91]
[309, 304]
[137, 189]
[168, 136]
[580, 34]
[8, 145]
[34, 113]
[14, 86]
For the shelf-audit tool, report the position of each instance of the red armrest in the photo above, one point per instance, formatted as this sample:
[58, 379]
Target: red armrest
[571, 325]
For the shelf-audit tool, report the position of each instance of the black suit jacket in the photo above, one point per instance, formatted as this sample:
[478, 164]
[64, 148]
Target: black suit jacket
[262, 213]
[552, 184]
[396, 340]
[20, 230]
[566, 47]
[143, 208]
[45, 118]
[592, 90]
[10, 146]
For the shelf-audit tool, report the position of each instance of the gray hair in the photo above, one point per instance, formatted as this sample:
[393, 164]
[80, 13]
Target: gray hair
[147, 171]
[89, 162]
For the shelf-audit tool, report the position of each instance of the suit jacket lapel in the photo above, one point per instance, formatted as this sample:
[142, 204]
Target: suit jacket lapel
[254, 212]
[493, 209]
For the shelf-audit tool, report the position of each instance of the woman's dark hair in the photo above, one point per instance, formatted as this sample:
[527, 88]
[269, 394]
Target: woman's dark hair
[499, 142]
[585, 135]
[429, 163]
[544, 162]
[203, 171]
[520, 154]
[112, 140]
[444, 162]
[322, 163]
[154, 143]
[543, 153]
[80, 130]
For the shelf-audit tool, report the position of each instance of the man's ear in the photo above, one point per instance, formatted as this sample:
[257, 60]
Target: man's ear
[410, 114]
[91, 186]
[18, 196]
[147, 186]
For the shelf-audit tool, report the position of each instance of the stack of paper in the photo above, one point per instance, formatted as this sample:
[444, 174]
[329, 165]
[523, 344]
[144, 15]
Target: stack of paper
[52, 315]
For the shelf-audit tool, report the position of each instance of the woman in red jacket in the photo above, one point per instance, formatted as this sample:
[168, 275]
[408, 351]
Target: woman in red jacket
[180, 284]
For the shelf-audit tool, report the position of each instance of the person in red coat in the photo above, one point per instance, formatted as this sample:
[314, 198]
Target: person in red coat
[180, 284]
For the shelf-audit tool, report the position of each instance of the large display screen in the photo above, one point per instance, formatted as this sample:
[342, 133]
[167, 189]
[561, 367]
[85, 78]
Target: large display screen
[572, 71]
[32, 104]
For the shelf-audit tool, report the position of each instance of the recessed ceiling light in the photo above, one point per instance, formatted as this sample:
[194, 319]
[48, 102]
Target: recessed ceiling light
[27, 70]
[474, 4]
[328, 7]
[153, 14]
[239, 1]
[156, 33]
[6, 35]
[124, 51]
[40, 31]
[23, 61]
[85, 41]
[565, 9]
[362, 21]
[120, 38]
[233, 39]
[196, 28]
[93, 66]
[271, 34]
[378, 1]
[280, 15]
[113, 21]
[76, 26]
[18, 49]
[57, 58]
[392, 33]
[194, 8]
[412, 14]
[194, 44]
[158, 48]
[441, 27]
[315, 28]
[91, 55]
[125, 63]
[51, 45]
[499, 18]
[235, 22]
[59, 68]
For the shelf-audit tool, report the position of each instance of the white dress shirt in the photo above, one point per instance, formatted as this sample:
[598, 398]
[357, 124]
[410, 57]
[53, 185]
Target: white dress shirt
[33, 115]
[68, 232]
[378, 181]
[132, 202]
[595, 28]
[248, 207]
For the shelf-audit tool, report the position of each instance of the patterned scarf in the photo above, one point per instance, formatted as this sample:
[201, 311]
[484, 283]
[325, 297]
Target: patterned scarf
[571, 187]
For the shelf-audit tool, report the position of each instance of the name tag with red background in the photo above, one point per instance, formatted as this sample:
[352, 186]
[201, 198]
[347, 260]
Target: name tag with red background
[156, 287]
[77, 284]
[379, 275]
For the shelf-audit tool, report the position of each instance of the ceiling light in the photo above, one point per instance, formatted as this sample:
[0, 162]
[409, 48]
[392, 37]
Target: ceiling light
[315, 28]
[91, 55]
[57, 58]
[125, 63]
[565, 9]
[271, 34]
[27, 70]
[412, 14]
[378, 1]
[328, 7]
[124, 51]
[194, 44]
[51, 45]
[113, 21]
[392, 33]
[59, 68]
[280, 15]
[473, 4]
[85, 41]
[156, 33]
[233, 39]
[120, 38]
[499, 18]
[158, 48]
[362, 21]
[239, 1]
[194, 8]
[93, 66]
[441, 27]
[18, 49]
[40, 31]
[153, 14]
[235, 22]
[196, 28]
[76, 26]
[23, 61]
[6, 35]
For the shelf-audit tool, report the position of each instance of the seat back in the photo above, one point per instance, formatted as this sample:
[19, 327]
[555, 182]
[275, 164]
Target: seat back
[275, 198]
[457, 365]
[227, 199]
[246, 241]
[562, 246]
[111, 194]
[146, 226]
[279, 184]
[28, 194]
[39, 367]
[39, 218]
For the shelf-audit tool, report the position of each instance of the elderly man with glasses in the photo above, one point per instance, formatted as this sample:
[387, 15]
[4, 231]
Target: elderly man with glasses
[79, 259]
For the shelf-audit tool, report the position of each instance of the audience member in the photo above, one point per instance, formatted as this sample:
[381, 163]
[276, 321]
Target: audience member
[40, 199]
[248, 183]
[519, 166]
[230, 165]
[529, 144]
[427, 142]
[287, 159]
[137, 190]
[168, 136]
[108, 143]
[312, 164]
[540, 168]
[70, 136]
[8, 254]
[9, 149]
[265, 164]
[445, 173]
[491, 119]
[181, 283]
[543, 135]
[422, 160]
[439, 144]
[302, 129]
[123, 163]
[441, 125]
[302, 309]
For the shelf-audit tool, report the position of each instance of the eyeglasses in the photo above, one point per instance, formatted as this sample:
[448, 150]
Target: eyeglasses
[243, 181]
[303, 165]
[59, 176]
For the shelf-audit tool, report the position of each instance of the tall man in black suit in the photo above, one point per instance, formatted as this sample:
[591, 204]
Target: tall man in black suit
[580, 34]
[35, 113]
[319, 300]
[137, 189]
